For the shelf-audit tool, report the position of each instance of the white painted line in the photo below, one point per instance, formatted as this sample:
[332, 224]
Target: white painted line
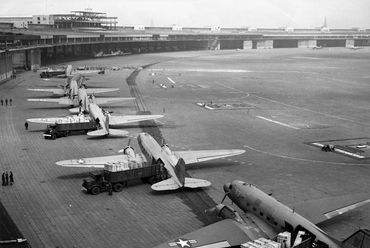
[277, 122]
[348, 153]
[171, 80]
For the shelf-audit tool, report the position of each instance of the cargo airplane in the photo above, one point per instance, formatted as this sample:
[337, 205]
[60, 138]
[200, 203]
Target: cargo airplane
[78, 96]
[103, 118]
[265, 217]
[173, 161]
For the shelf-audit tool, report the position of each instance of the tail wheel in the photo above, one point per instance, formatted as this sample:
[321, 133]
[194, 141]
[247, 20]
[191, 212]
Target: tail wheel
[118, 187]
[95, 190]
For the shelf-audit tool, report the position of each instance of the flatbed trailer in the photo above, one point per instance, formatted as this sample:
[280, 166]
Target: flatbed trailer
[101, 181]
[57, 130]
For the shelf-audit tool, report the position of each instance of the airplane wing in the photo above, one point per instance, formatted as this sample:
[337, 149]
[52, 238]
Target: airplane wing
[54, 91]
[320, 210]
[50, 120]
[94, 162]
[119, 120]
[101, 100]
[61, 101]
[224, 233]
[191, 157]
[90, 91]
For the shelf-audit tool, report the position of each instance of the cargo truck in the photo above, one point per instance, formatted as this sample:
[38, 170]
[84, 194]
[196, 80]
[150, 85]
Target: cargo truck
[57, 130]
[118, 179]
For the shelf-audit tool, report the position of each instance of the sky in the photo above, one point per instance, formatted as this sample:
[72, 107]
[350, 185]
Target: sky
[208, 13]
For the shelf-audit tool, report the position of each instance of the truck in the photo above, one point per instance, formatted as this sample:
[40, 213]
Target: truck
[101, 181]
[57, 130]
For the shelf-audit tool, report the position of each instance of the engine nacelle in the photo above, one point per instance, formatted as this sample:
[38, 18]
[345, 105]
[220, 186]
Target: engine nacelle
[129, 151]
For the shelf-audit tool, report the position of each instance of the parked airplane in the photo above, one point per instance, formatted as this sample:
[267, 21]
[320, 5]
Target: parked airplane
[173, 161]
[78, 96]
[103, 118]
[74, 81]
[317, 47]
[352, 47]
[265, 217]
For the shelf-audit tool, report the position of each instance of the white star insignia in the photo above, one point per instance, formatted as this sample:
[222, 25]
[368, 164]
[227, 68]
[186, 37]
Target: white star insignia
[183, 243]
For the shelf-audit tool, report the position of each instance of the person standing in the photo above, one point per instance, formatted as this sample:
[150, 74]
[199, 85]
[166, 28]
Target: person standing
[3, 179]
[6, 101]
[2, 102]
[10, 102]
[11, 178]
[6, 178]
[26, 125]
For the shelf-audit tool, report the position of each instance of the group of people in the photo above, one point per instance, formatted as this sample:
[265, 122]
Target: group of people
[7, 179]
[6, 102]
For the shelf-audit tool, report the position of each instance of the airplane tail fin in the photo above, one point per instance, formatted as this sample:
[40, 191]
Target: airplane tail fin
[359, 239]
[180, 171]
[69, 70]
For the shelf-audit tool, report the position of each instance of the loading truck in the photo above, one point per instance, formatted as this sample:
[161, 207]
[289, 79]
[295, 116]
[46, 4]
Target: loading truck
[118, 176]
[65, 127]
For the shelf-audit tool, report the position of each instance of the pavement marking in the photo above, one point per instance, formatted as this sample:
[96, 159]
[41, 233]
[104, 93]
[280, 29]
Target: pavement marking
[338, 150]
[171, 80]
[299, 159]
[202, 70]
[277, 122]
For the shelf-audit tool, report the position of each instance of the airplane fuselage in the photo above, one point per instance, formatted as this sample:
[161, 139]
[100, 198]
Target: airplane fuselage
[97, 114]
[250, 199]
[151, 149]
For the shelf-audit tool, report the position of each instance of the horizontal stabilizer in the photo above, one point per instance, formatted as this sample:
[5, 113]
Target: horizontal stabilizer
[119, 120]
[54, 91]
[90, 91]
[117, 132]
[196, 183]
[168, 184]
[98, 133]
[61, 101]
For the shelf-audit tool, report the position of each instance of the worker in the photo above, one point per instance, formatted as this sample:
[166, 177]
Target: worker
[3, 179]
[6, 178]
[11, 178]
[110, 189]
[2, 102]
[26, 125]
[6, 101]
[10, 101]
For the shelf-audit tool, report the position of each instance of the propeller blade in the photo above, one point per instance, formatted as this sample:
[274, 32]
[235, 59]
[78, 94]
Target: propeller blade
[223, 199]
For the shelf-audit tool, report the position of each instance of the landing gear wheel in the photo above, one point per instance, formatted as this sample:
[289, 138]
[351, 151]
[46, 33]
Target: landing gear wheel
[95, 190]
[118, 187]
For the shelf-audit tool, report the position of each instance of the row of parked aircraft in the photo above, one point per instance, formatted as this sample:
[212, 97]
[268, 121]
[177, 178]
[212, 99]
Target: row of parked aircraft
[75, 93]
[262, 217]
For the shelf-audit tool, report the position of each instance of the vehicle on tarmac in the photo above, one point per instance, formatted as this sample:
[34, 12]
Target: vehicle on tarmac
[64, 129]
[118, 179]
[173, 161]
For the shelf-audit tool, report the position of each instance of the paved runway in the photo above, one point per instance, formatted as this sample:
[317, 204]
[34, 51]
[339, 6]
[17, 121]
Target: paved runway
[297, 96]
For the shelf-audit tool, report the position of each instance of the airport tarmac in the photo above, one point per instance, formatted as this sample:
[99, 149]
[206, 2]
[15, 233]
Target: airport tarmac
[293, 96]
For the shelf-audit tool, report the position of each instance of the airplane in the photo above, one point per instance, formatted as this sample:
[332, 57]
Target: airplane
[265, 217]
[173, 161]
[104, 120]
[76, 80]
[352, 47]
[317, 47]
[78, 96]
